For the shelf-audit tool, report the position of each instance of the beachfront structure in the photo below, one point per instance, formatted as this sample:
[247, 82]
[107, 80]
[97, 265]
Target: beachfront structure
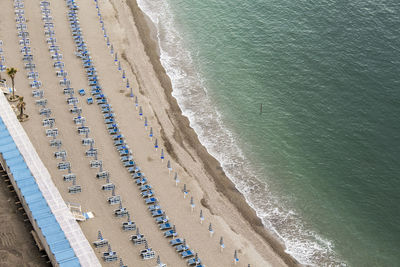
[55, 226]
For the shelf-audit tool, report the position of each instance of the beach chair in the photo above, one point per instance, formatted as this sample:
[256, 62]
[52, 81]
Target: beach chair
[120, 212]
[91, 152]
[74, 189]
[113, 200]
[52, 132]
[157, 213]
[89, 100]
[110, 256]
[145, 187]
[48, 122]
[55, 143]
[154, 207]
[194, 261]
[161, 219]
[103, 175]
[68, 91]
[165, 226]
[79, 120]
[124, 152]
[82, 92]
[152, 200]
[69, 177]
[170, 233]
[146, 194]
[60, 154]
[95, 163]
[129, 163]
[181, 247]
[65, 165]
[83, 129]
[176, 241]
[138, 239]
[137, 174]
[187, 254]
[41, 102]
[87, 141]
[147, 254]
[107, 187]
[140, 182]
[126, 158]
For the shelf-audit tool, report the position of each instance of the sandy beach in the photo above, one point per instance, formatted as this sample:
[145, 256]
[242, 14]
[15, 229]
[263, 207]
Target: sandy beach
[133, 38]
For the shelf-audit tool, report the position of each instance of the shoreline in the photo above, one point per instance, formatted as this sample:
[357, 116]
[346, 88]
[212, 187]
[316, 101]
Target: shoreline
[187, 136]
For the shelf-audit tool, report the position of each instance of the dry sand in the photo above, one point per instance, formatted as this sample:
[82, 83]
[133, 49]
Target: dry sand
[213, 192]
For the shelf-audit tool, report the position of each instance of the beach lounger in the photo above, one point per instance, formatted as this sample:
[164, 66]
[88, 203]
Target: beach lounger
[74, 189]
[176, 241]
[100, 243]
[145, 187]
[108, 115]
[152, 200]
[107, 187]
[41, 102]
[102, 175]
[114, 131]
[69, 177]
[55, 143]
[75, 110]
[132, 170]
[128, 226]
[124, 152]
[147, 254]
[89, 100]
[110, 256]
[137, 174]
[52, 132]
[165, 226]
[170, 233]
[157, 213]
[63, 165]
[161, 219]
[138, 239]
[120, 212]
[187, 254]
[148, 193]
[130, 163]
[140, 182]
[82, 92]
[83, 129]
[154, 207]
[194, 261]
[114, 200]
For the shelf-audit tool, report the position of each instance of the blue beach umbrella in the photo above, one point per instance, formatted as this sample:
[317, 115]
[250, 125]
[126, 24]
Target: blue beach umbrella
[162, 154]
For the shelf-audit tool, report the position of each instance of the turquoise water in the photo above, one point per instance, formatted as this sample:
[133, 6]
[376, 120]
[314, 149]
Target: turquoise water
[320, 164]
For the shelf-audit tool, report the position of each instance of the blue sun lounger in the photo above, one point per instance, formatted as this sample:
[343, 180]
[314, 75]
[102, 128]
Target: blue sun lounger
[142, 181]
[187, 254]
[170, 233]
[128, 164]
[176, 241]
[180, 248]
[89, 100]
[145, 187]
[194, 262]
[126, 158]
[165, 226]
[146, 194]
[154, 207]
[161, 219]
[151, 200]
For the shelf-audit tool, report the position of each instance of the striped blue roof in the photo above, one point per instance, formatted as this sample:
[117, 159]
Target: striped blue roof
[38, 207]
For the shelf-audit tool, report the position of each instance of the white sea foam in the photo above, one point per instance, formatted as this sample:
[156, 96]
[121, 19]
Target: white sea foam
[190, 90]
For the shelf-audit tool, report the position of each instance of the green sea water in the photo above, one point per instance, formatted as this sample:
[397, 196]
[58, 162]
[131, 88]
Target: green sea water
[320, 162]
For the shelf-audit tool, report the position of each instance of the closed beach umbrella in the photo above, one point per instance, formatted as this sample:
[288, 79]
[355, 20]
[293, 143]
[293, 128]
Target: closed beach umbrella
[184, 242]
[201, 217]
[158, 260]
[112, 49]
[108, 41]
[235, 257]
[121, 264]
[116, 57]
[162, 154]
[99, 236]
[156, 144]
[221, 243]
[129, 216]
[176, 179]
[109, 248]
[146, 246]
[151, 133]
[140, 112]
[192, 203]
[210, 229]
[136, 102]
[123, 74]
[113, 191]
[105, 33]
[185, 192]
[137, 231]
[145, 122]
[169, 167]
[127, 83]
[119, 65]
[174, 229]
